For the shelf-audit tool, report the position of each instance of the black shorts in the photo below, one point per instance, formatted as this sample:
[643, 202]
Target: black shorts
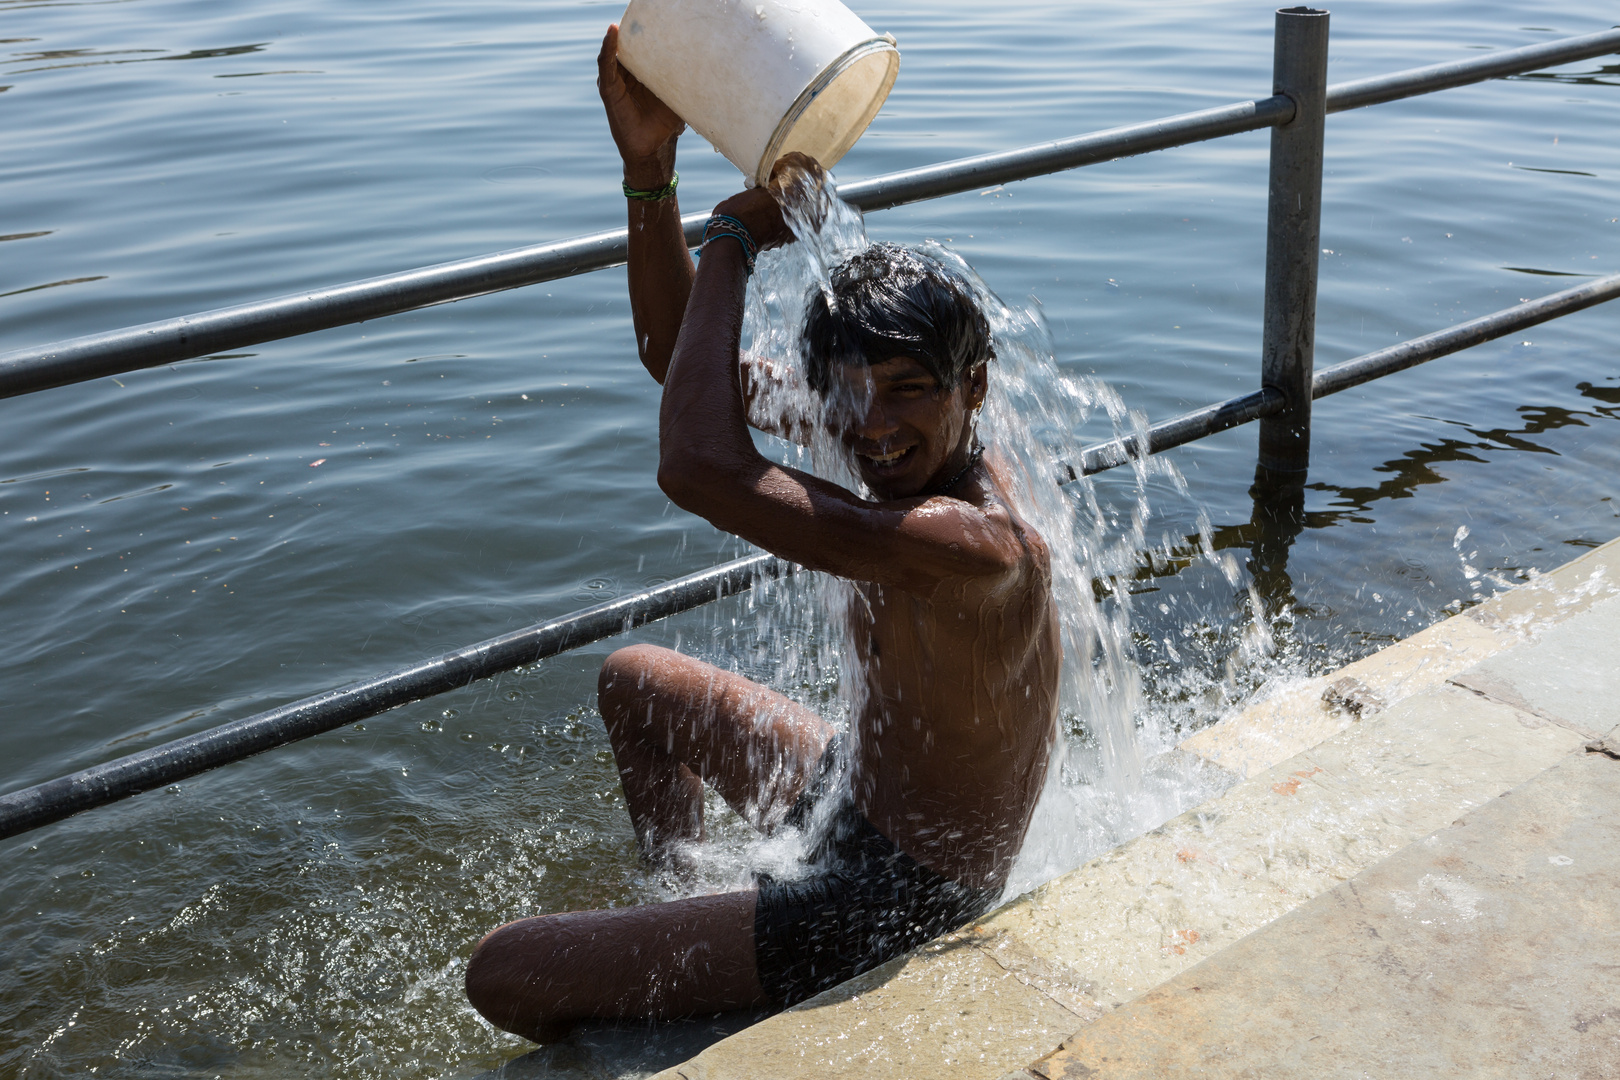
[863, 902]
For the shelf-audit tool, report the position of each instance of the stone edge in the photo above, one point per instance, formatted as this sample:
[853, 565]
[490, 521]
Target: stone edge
[1303, 715]
[1267, 733]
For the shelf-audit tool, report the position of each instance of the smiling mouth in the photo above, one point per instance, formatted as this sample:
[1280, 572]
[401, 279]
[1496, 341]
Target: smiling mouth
[886, 463]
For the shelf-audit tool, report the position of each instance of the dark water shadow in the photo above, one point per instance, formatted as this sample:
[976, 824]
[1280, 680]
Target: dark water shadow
[84, 57]
[624, 1051]
[1560, 172]
[1544, 273]
[1274, 525]
[55, 284]
[1276, 519]
[1607, 75]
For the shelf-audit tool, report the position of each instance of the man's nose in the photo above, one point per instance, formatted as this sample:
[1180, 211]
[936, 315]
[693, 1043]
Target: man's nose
[874, 422]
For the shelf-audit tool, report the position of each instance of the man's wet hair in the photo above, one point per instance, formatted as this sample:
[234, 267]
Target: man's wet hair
[890, 301]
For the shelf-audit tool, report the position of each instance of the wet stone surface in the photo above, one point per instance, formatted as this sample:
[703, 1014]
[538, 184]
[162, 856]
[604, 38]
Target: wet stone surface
[1484, 950]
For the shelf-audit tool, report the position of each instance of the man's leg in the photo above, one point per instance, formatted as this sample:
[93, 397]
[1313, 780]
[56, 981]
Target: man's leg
[676, 722]
[536, 977]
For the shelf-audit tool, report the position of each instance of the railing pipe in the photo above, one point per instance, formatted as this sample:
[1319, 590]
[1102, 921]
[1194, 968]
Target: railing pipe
[225, 329]
[1293, 234]
[1183, 429]
[168, 341]
[1426, 80]
[31, 807]
[965, 174]
[1191, 426]
[1420, 350]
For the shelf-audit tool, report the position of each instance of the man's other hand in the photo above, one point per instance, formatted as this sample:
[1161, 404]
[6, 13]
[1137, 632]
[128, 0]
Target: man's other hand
[792, 177]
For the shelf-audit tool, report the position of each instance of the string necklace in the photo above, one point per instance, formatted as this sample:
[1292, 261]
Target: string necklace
[973, 459]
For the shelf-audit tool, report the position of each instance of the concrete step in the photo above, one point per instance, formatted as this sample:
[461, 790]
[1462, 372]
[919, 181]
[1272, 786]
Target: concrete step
[1336, 777]
[1489, 949]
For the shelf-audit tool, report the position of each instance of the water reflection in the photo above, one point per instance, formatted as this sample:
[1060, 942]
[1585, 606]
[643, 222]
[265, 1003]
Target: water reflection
[285, 963]
[1532, 269]
[1275, 523]
[1417, 468]
[1279, 517]
[1607, 75]
[1610, 394]
[83, 56]
[55, 284]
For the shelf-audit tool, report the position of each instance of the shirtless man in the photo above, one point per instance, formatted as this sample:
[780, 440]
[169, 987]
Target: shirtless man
[958, 631]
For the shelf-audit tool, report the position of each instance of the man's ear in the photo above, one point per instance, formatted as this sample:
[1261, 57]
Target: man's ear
[978, 381]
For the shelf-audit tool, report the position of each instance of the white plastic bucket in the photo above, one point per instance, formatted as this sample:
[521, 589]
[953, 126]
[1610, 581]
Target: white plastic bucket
[761, 78]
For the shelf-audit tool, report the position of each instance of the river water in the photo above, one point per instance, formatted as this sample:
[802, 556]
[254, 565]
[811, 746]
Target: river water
[394, 489]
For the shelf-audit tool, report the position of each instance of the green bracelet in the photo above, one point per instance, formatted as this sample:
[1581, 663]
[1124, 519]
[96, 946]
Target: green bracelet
[655, 195]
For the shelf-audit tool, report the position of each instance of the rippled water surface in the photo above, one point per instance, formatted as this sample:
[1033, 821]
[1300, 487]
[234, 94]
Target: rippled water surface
[191, 544]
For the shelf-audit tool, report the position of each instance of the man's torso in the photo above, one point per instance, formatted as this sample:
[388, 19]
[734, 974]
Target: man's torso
[958, 716]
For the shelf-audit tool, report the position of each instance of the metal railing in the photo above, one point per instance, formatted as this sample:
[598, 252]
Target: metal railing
[1269, 401]
[227, 329]
[1295, 112]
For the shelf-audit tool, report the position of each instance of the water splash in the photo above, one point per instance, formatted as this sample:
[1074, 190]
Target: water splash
[1108, 779]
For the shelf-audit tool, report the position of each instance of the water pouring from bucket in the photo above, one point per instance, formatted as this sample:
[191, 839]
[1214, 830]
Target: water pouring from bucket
[762, 78]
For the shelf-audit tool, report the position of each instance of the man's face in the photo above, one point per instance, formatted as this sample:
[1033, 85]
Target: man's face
[906, 431]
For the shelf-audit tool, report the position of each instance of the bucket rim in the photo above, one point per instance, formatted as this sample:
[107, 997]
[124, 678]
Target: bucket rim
[846, 60]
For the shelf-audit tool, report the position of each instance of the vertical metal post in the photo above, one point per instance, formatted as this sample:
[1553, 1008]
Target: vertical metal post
[1293, 233]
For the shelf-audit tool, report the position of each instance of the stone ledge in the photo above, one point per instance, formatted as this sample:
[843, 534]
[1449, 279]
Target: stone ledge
[947, 1009]
[1482, 951]
[1329, 790]
[1290, 722]
[1140, 914]
[1078, 947]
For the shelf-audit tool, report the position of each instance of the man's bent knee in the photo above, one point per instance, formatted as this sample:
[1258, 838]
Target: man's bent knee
[483, 979]
[622, 683]
[626, 671]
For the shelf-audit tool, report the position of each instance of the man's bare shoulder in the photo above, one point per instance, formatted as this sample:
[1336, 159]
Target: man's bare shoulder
[995, 547]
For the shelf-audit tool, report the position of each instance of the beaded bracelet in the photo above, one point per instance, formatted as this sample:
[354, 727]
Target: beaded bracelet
[725, 225]
[656, 194]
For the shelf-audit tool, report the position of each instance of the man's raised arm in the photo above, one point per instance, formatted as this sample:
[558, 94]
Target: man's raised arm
[645, 130]
[709, 466]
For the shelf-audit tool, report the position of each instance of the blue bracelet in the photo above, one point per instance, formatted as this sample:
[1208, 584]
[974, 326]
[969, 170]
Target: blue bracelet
[725, 225]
